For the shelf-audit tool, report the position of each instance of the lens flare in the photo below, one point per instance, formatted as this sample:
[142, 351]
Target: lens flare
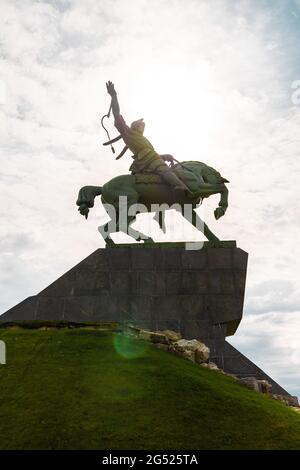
[127, 347]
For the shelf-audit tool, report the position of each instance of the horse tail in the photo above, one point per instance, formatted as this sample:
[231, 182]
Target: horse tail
[86, 197]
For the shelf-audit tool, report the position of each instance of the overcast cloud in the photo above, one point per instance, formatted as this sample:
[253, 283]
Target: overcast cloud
[213, 80]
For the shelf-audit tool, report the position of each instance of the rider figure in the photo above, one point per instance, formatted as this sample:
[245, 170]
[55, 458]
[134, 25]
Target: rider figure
[146, 159]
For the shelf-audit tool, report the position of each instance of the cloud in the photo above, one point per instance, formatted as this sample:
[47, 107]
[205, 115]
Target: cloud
[273, 344]
[274, 295]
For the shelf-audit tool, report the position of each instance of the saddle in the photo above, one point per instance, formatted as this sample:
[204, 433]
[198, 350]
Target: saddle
[147, 178]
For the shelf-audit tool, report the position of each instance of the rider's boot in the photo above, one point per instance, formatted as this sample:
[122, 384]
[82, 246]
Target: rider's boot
[172, 179]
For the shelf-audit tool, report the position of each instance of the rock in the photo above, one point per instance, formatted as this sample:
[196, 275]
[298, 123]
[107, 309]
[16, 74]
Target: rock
[187, 354]
[171, 335]
[188, 344]
[191, 349]
[264, 386]
[201, 354]
[173, 350]
[287, 399]
[231, 375]
[164, 347]
[159, 338]
[294, 401]
[145, 335]
[280, 398]
[132, 330]
[169, 340]
[211, 366]
[250, 382]
[154, 337]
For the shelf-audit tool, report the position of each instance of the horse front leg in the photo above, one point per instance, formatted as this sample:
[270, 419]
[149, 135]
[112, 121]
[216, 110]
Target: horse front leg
[200, 225]
[105, 232]
[86, 198]
[223, 204]
[111, 226]
[208, 189]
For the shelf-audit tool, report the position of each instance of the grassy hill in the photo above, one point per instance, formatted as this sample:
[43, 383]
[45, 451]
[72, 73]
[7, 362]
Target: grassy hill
[92, 389]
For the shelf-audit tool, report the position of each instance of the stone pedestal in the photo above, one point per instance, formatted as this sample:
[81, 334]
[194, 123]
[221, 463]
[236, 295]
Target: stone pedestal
[198, 293]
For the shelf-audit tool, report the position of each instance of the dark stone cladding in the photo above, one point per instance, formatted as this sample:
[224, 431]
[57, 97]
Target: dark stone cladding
[199, 293]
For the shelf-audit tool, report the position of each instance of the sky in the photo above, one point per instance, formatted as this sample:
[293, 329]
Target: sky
[215, 80]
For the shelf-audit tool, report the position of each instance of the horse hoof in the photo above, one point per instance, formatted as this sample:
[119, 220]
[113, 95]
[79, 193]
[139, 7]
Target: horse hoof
[109, 242]
[148, 241]
[219, 212]
[215, 243]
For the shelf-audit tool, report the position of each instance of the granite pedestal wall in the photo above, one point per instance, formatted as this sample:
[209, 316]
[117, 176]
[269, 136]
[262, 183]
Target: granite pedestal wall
[199, 293]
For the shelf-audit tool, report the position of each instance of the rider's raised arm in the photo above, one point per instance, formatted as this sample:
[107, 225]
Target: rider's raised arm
[114, 100]
[119, 121]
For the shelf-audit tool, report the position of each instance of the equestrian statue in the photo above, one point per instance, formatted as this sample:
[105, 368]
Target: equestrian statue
[153, 183]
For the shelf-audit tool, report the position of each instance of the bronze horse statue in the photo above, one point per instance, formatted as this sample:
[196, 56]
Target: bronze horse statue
[149, 190]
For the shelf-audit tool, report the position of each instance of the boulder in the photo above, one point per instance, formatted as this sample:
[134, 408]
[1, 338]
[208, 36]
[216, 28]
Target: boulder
[171, 335]
[169, 340]
[174, 350]
[293, 401]
[233, 376]
[250, 382]
[280, 398]
[159, 338]
[153, 337]
[287, 399]
[164, 347]
[132, 330]
[191, 349]
[264, 386]
[188, 344]
[211, 366]
[201, 353]
[145, 335]
[188, 354]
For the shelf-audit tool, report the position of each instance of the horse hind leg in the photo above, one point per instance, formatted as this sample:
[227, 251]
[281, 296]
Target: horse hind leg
[115, 224]
[136, 234]
[126, 219]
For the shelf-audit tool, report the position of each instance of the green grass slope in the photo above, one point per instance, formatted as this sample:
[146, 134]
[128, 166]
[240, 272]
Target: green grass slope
[88, 389]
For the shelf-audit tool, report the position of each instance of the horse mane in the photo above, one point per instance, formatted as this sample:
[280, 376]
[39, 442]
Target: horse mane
[194, 165]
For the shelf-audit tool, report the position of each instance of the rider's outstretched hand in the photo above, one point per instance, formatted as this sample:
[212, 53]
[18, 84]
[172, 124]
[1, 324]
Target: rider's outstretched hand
[167, 158]
[110, 88]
